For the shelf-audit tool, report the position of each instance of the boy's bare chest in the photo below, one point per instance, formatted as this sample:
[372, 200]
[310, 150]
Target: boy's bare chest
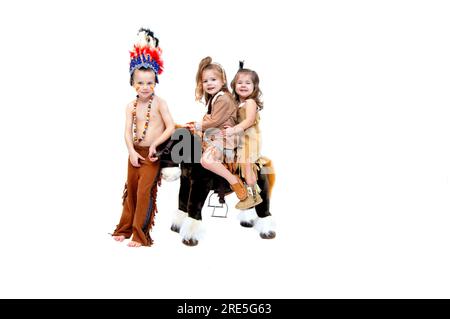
[142, 113]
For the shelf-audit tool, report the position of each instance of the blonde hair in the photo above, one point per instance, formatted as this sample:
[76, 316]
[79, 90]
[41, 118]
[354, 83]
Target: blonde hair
[207, 64]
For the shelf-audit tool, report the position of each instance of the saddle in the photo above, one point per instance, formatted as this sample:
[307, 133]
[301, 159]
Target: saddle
[219, 184]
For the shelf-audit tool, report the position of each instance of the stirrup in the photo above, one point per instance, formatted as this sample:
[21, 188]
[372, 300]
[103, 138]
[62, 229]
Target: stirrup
[217, 206]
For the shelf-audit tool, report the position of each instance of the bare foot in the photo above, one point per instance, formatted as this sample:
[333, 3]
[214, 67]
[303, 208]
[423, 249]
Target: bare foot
[134, 244]
[118, 238]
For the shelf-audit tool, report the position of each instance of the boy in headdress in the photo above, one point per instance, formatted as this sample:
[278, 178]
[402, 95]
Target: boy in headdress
[148, 124]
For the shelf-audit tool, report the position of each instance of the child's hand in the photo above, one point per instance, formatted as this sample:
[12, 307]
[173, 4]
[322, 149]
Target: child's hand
[190, 126]
[228, 131]
[222, 133]
[151, 153]
[134, 159]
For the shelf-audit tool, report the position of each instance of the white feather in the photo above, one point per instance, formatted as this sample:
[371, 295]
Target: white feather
[142, 39]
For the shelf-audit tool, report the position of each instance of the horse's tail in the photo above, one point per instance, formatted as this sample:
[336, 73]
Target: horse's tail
[269, 170]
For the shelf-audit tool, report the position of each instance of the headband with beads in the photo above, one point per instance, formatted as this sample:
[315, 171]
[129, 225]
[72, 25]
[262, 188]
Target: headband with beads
[146, 53]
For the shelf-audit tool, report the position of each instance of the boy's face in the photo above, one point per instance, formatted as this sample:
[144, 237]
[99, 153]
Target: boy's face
[212, 81]
[144, 82]
[244, 85]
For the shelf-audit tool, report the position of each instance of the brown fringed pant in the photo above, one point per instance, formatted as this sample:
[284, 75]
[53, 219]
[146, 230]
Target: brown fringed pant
[139, 201]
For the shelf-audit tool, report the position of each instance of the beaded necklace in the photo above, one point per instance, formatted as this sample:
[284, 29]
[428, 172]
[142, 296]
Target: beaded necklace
[147, 120]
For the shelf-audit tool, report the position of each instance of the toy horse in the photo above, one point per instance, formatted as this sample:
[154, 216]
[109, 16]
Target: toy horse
[196, 183]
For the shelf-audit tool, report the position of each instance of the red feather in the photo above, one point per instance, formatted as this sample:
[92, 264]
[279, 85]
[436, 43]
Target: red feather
[154, 53]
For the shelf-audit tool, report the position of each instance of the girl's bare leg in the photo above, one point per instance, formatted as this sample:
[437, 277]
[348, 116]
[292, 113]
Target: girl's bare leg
[250, 177]
[211, 162]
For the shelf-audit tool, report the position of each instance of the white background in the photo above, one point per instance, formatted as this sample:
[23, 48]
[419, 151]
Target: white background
[356, 120]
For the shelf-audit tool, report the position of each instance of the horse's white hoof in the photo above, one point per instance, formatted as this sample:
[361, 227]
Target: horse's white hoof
[246, 224]
[247, 218]
[266, 227]
[178, 220]
[191, 231]
[269, 235]
[190, 242]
